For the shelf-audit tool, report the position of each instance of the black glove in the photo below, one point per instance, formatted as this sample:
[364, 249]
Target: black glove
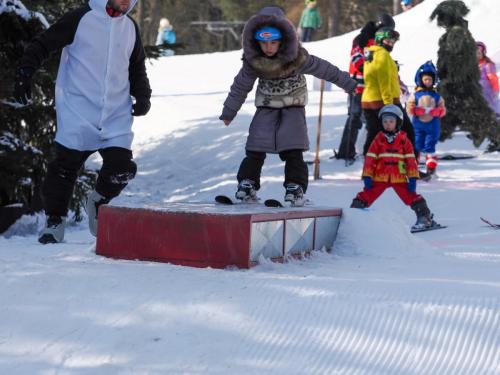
[22, 86]
[141, 107]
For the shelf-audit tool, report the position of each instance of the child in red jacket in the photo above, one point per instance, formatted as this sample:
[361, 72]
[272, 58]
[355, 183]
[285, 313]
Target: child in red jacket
[390, 162]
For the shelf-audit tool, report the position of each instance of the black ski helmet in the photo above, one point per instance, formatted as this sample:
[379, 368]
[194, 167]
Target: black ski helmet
[386, 20]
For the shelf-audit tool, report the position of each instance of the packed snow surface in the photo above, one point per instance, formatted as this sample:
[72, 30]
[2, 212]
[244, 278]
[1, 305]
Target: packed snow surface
[383, 302]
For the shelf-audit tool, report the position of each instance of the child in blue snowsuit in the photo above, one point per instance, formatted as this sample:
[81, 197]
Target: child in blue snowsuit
[427, 107]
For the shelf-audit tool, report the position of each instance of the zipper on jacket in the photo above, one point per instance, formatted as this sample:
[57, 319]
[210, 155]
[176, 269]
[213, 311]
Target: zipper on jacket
[106, 73]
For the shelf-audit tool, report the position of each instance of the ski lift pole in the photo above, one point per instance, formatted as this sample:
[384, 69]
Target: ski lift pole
[318, 131]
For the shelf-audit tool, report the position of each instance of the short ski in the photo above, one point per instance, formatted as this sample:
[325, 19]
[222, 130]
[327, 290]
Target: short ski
[278, 203]
[273, 203]
[493, 225]
[424, 176]
[425, 229]
[224, 199]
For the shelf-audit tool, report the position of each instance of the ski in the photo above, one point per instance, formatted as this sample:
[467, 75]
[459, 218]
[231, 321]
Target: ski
[434, 227]
[273, 203]
[493, 225]
[424, 176]
[225, 200]
[278, 203]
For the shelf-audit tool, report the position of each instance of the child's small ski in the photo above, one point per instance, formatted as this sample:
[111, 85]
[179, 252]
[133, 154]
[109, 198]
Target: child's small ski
[416, 229]
[424, 176]
[224, 199]
[273, 203]
[493, 225]
[278, 203]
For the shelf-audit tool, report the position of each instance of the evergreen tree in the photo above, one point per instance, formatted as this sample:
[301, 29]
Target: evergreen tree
[459, 78]
[27, 133]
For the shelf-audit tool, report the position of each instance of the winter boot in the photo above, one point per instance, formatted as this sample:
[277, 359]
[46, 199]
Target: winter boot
[94, 200]
[53, 231]
[424, 215]
[246, 191]
[358, 203]
[294, 194]
[431, 164]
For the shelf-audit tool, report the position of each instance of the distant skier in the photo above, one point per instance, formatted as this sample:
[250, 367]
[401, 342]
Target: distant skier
[354, 122]
[273, 55]
[427, 107]
[489, 78]
[166, 36]
[310, 20]
[390, 163]
[102, 66]
[406, 5]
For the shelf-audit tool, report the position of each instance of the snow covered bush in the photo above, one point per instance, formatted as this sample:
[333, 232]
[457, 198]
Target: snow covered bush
[27, 133]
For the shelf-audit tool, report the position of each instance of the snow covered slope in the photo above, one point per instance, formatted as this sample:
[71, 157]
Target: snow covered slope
[385, 302]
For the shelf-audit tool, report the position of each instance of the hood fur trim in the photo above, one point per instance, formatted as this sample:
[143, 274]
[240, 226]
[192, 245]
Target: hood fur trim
[275, 68]
[271, 16]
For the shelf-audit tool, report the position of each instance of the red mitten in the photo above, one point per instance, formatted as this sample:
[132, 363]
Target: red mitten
[437, 112]
[419, 111]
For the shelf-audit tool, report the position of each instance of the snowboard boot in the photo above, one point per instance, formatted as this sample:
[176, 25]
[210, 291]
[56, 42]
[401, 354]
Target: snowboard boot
[358, 203]
[294, 194]
[94, 200]
[424, 215]
[53, 231]
[246, 191]
[431, 172]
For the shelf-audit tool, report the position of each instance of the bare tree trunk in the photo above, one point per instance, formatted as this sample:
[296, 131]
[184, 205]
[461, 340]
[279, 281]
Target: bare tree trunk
[141, 11]
[395, 7]
[333, 18]
[154, 20]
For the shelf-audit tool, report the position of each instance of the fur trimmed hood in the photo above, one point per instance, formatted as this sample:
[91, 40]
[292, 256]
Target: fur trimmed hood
[275, 68]
[290, 46]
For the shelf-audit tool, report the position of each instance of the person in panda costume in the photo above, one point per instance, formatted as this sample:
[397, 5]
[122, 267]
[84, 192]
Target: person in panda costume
[102, 67]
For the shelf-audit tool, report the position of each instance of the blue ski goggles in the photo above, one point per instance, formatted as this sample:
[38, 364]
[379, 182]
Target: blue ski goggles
[267, 33]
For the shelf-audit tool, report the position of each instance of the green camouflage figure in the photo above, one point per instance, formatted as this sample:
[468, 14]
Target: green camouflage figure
[459, 78]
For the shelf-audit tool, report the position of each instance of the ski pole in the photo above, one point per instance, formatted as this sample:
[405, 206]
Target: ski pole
[318, 132]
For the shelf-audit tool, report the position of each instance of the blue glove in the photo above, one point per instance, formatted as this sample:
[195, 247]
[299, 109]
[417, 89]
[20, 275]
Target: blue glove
[412, 184]
[368, 182]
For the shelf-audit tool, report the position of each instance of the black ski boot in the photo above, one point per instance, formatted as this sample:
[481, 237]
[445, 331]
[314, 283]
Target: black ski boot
[53, 231]
[358, 203]
[424, 216]
[246, 191]
[294, 194]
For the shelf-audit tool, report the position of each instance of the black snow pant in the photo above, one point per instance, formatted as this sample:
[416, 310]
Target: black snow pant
[374, 125]
[116, 171]
[296, 170]
[353, 124]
